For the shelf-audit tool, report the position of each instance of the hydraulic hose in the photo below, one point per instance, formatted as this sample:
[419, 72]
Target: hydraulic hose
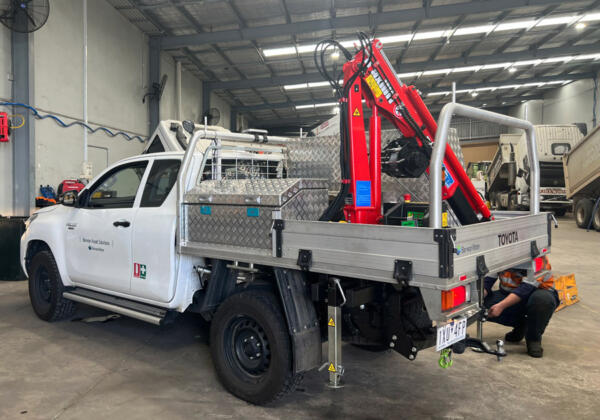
[60, 122]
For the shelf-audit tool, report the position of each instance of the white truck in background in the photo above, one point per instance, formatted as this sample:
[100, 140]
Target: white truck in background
[508, 175]
[582, 179]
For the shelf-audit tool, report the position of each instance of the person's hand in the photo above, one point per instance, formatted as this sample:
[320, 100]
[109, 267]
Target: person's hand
[485, 293]
[495, 310]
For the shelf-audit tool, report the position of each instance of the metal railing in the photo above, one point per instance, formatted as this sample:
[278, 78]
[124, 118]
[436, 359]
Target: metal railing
[439, 150]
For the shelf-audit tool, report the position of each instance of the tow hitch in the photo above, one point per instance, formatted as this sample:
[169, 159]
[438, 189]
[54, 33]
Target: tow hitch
[480, 346]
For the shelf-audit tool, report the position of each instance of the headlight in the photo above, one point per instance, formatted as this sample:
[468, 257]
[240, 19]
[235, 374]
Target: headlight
[31, 219]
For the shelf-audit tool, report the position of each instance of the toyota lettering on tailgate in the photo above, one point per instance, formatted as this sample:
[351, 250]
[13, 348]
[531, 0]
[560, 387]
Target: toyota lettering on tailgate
[508, 238]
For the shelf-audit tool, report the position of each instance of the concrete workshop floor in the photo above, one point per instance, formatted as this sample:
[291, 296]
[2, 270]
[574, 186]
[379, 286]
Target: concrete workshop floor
[128, 369]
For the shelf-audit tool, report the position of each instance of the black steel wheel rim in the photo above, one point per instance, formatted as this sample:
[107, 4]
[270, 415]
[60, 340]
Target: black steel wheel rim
[247, 348]
[43, 285]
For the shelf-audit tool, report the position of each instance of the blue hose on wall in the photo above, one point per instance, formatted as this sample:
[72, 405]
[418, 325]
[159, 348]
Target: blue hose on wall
[80, 123]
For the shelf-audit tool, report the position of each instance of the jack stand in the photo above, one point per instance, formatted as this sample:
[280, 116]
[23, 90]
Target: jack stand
[480, 347]
[334, 332]
[481, 319]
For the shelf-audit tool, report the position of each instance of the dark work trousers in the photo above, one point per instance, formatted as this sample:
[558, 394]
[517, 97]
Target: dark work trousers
[535, 311]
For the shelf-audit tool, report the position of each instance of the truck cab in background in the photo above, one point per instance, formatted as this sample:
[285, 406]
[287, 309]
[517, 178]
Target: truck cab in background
[508, 175]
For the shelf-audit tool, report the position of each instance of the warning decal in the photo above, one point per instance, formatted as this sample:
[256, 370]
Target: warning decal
[374, 86]
[331, 368]
[331, 323]
[356, 112]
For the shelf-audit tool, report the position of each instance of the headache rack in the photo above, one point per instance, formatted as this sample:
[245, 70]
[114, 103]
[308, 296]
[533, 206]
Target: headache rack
[274, 222]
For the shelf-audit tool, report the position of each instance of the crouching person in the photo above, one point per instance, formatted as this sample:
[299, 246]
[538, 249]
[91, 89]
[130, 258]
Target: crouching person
[527, 306]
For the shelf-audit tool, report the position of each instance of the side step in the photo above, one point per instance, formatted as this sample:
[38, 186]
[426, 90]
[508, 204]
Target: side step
[137, 310]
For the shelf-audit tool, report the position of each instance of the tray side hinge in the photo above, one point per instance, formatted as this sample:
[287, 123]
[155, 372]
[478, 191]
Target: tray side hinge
[402, 271]
[445, 240]
[304, 259]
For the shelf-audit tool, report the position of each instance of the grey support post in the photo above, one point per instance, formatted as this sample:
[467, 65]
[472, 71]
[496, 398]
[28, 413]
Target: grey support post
[22, 140]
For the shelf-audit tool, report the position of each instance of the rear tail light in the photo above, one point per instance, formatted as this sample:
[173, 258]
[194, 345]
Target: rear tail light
[453, 297]
[539, 264]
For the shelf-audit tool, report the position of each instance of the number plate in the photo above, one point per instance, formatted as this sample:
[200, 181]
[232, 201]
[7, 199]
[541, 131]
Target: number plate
[451, 333]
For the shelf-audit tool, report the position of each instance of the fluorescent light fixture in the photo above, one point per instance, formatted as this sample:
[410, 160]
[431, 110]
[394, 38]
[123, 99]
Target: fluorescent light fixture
[395, 38]
[469, 68]
[434, 34]
[326, 104]
[527, 63]
[518, 24]
[471, 30]
[439, 93]
[512, 69]
[270, 52]
[318, 84]
[495, 66]
[566, 59]
[431, 35]
[559, 20]
[304, 106]
[298, 86]
[407, 75]
[474, 94]
[439, 71]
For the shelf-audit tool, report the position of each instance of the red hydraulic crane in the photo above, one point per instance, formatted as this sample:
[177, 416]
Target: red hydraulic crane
[369, 76]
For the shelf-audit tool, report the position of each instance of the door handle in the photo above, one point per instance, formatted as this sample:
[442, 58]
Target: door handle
[123, 223]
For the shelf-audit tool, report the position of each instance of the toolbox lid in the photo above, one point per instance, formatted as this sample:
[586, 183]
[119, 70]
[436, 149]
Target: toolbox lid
[256, 192]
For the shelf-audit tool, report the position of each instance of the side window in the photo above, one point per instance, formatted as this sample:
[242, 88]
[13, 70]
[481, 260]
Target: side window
[156, 146]
[163, 176]
[117, 188]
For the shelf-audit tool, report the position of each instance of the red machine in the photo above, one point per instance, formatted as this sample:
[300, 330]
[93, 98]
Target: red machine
[70, 185]
[4, 127]
[369, 76]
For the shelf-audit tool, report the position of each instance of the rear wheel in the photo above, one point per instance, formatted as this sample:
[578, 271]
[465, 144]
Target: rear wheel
[251, 348]
[46, 289]
[583, 212]
[596, 219]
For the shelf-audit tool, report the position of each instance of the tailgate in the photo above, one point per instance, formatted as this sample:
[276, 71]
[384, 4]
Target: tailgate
[500, 244]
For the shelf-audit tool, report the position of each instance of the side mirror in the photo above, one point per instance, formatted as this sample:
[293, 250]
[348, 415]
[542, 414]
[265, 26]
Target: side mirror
[69, 198]
[188, 126]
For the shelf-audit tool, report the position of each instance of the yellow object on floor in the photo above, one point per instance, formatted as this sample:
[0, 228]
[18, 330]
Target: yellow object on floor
[567, 290]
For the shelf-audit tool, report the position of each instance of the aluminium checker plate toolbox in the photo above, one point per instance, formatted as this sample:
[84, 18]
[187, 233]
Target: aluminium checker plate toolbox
[240, 213]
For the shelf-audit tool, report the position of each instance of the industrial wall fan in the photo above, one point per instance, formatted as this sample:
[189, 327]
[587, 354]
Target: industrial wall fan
[213, 116]
[24, 15]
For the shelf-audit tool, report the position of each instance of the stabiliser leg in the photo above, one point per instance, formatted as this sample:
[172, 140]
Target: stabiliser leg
[336, 300]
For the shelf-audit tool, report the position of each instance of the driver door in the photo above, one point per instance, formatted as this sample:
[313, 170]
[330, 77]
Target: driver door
[99, 232]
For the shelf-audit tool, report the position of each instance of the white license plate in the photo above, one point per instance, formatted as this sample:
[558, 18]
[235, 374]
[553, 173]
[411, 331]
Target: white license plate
[451, 333]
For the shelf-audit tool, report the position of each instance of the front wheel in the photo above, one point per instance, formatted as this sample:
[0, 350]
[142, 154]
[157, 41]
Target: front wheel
[46, 289]
[251, 349]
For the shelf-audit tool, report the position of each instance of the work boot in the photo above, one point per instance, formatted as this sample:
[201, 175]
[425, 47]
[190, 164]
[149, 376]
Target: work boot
[534, 348]
[516, 334]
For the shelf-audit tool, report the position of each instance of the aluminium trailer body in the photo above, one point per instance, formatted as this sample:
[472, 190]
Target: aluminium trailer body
[582, 180]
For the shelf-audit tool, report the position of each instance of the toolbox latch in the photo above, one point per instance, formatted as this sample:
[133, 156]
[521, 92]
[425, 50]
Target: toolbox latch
[278, 226]
[305, 259]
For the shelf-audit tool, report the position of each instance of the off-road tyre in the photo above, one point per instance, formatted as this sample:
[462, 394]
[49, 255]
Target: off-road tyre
[259, 369]
[46, 289]
[583, 212]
